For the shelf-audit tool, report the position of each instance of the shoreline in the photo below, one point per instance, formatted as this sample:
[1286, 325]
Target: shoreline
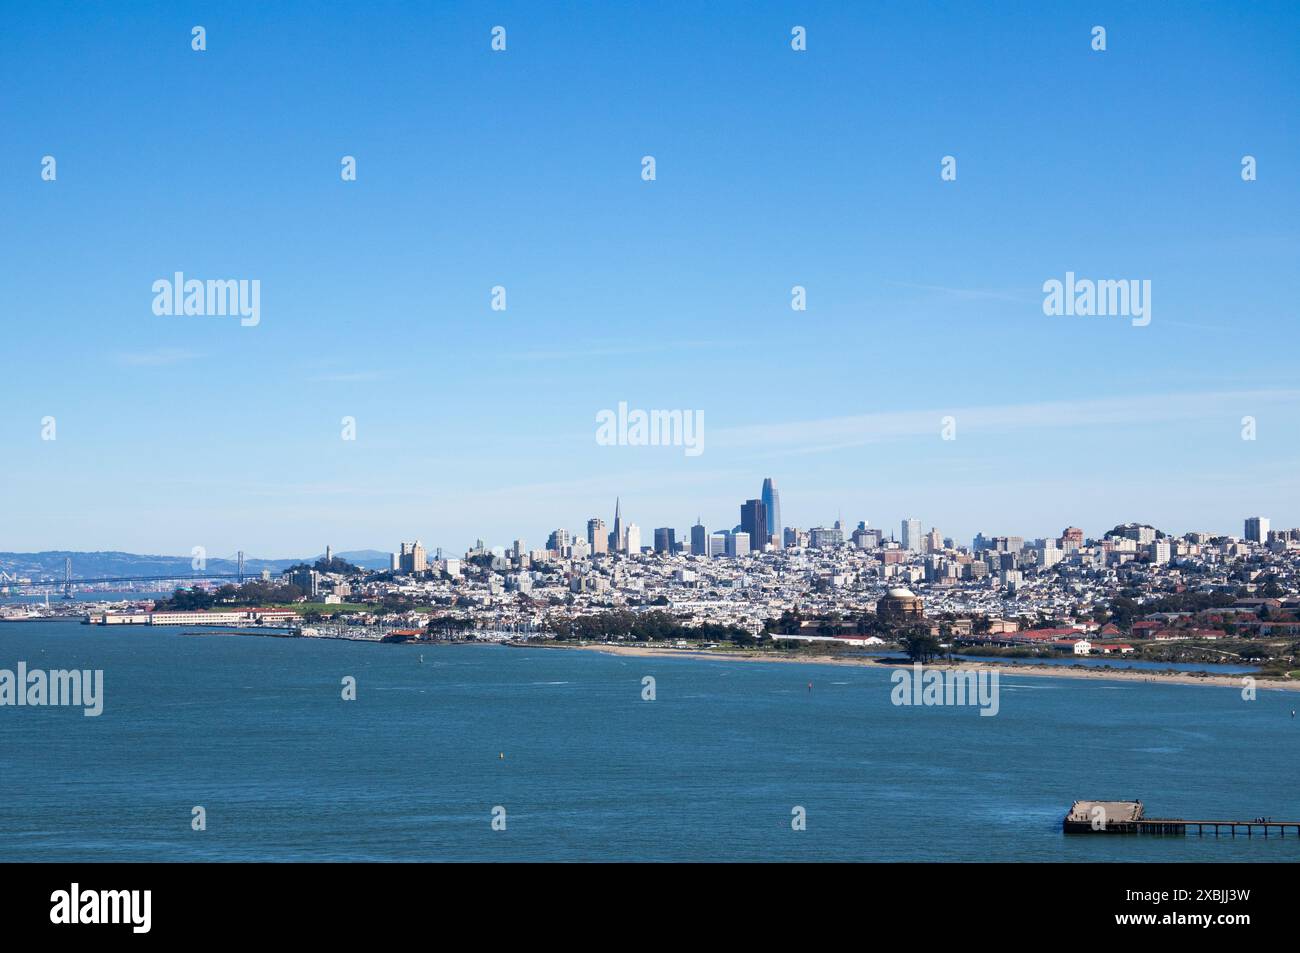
[1145, 676]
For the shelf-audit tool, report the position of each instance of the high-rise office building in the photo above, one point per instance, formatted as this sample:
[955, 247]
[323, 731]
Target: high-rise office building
[413, 558]
[796, 538]
[771, 498]
[864, 538]
[596, 537]
[826, 537]
[558, 540]
[665, 540]
[912, 535]
[632, 539]
[617, 541]
[753, 522]
[699, 539]
[738, 544]
[1257, 529]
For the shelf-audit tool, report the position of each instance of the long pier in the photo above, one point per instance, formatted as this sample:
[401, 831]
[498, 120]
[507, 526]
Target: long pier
[1129, 817]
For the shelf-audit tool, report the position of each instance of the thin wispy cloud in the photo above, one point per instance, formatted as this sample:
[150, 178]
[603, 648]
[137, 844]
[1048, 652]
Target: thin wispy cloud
[348, 377]
[837, 433]
[969, 294]
[155, 357]
[622, 350]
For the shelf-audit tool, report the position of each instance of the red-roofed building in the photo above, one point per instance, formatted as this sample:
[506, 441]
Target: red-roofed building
[1044, 635]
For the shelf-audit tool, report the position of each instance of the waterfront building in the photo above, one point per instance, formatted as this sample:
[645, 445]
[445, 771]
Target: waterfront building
[195, 617]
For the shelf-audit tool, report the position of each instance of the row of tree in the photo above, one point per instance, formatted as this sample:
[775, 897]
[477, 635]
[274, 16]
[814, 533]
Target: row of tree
[621, 625]
[254, 593]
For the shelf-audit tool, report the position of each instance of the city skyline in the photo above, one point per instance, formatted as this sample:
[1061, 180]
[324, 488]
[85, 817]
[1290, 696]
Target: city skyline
[910, 535]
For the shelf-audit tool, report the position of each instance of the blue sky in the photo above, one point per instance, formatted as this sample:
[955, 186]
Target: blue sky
[522, 169]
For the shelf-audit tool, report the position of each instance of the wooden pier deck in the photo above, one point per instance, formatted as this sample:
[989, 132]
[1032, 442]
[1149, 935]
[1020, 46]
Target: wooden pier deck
[1129, 817]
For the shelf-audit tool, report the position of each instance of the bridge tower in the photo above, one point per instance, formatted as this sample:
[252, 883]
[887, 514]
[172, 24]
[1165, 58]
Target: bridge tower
[240, 572]
[67, 577]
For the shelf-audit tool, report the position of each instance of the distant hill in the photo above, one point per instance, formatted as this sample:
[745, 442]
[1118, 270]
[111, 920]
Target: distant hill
[98, 565]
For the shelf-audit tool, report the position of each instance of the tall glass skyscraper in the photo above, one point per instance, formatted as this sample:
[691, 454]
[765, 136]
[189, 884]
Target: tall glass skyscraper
[772, 503]
[753, 522]
[699, 539]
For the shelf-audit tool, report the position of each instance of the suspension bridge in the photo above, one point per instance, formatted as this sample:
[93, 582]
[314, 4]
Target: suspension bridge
[11, 583]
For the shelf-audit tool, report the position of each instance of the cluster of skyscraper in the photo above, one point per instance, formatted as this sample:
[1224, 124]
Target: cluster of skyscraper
[760, 526]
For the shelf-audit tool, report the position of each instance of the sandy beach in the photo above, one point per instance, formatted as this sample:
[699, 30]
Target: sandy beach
[1042, 671]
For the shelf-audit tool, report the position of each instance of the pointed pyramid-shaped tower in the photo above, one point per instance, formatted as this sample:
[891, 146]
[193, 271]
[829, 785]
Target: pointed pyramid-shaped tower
[616, 534]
